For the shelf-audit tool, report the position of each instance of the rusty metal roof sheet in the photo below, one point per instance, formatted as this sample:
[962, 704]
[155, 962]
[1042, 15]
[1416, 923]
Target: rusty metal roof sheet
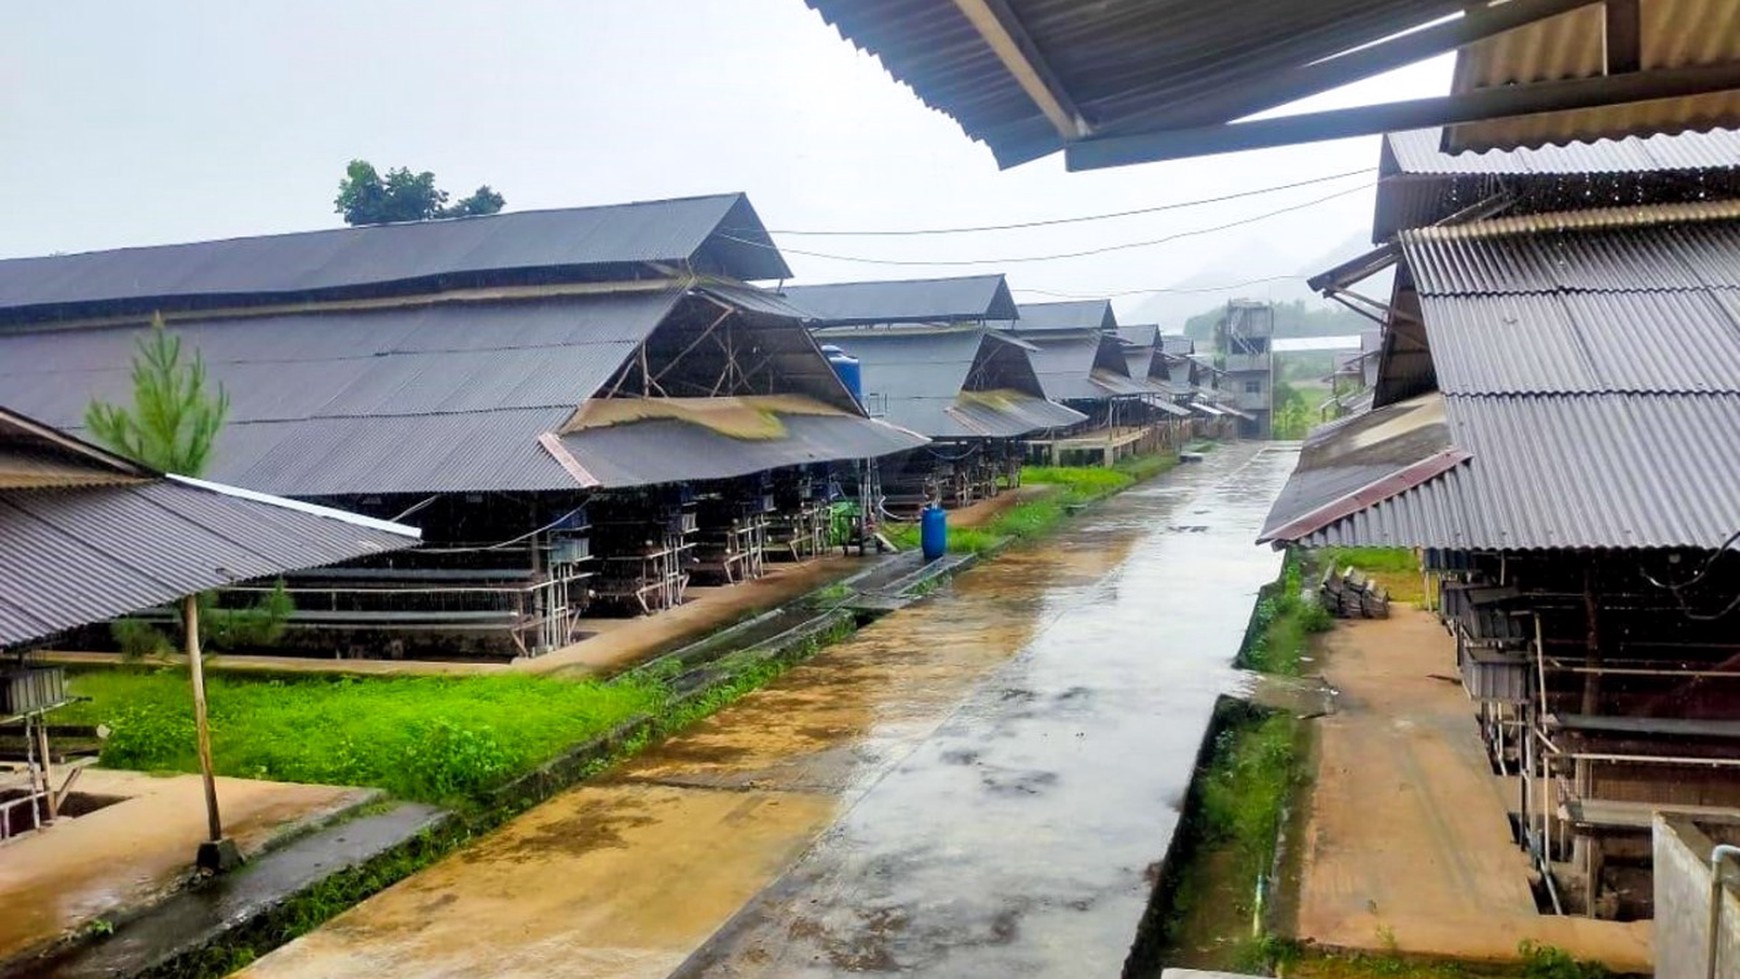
[1672, 34]
[718, 235]
[71, 555]
[973, 298]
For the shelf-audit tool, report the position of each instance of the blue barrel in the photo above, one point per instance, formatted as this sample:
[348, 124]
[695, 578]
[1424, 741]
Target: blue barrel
[933, 532]
[846, 366]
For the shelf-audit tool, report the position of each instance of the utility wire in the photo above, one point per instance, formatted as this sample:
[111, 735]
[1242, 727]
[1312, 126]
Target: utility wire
[1121, 246]
[1051, 222]
[1158, 289]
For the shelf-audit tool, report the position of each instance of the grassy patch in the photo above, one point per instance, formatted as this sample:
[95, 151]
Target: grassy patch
[435, 739]
[1031, 518]
[1283, 622]
[1240, 801]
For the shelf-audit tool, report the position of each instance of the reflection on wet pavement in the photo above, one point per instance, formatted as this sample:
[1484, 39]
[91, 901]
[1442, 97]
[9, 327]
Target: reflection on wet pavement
[972, 786]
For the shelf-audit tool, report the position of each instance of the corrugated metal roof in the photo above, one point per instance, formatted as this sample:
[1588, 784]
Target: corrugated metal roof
[917, 379]
[1140, 334]
[1177, 344]
[445, 397]
[1128, 65]
[1418, 151]
[719, 234]
[1082, 314]
[1584, 342]
[668, 451]
[449, 397]
[974, 298]
[1082, 367]
[1595, 381]
[70, 556]
[1672, 34]
[1572, 471]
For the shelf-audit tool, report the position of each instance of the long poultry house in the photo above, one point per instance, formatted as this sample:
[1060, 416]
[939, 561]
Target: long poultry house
[585, 406]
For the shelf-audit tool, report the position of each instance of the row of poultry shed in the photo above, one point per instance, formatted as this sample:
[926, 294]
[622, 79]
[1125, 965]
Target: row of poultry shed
[586, 411]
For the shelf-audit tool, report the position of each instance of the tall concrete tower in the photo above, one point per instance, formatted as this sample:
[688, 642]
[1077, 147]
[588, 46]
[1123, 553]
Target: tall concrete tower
[1243, 343]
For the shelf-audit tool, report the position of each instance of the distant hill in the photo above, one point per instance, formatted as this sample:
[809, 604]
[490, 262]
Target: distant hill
[1301, 312]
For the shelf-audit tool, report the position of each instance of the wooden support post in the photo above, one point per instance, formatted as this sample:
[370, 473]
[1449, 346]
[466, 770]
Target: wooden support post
[202, 729]
[52, 802]
[216, 853]
[1592, 644]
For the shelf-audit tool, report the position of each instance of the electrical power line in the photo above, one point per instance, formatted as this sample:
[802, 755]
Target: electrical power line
[1050, 222]
[1158, 289]
[1104, 249]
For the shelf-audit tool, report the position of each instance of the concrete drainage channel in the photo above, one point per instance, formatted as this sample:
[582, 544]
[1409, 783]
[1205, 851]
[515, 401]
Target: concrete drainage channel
[215, 925]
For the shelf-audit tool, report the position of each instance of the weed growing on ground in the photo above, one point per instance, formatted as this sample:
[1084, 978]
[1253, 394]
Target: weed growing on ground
[1548, 962]
[435, 739]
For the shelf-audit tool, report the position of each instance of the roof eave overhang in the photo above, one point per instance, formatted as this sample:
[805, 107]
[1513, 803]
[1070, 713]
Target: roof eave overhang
[1367, 496]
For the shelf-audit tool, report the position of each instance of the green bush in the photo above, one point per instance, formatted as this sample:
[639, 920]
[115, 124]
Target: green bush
[1313, 617]
[260, 624]
[138, 639]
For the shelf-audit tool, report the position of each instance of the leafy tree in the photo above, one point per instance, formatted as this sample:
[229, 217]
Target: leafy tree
[366, 197]
[175, 415]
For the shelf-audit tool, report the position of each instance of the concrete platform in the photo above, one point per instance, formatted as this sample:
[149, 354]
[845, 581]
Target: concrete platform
[124, 857]
[1408, 840]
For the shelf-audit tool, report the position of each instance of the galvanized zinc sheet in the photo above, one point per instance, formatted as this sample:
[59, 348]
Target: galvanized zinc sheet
[1418, 151]
[1082, 314]
[448, 397]
[670, 451]
[719, 234]
[1672, 34]
[1662, 256]
[973, 298]
[916, 379]
[1128, 65]
[70, 557]
[1595, 382]
[1574, 471]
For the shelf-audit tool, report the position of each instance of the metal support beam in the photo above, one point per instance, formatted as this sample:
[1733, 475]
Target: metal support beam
[1008, 40]
[1624, 37]
[1301, 81]
[1476, 106]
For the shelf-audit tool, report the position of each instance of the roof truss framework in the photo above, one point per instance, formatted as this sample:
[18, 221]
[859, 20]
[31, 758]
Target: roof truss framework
[1115, 83]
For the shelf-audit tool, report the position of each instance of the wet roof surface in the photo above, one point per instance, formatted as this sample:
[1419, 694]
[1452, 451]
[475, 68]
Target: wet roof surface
[1594, 375]
[312, 262]
[964, 298]
[75, 554]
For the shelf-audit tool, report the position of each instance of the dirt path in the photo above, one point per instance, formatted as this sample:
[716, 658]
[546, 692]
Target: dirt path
[1408, 841]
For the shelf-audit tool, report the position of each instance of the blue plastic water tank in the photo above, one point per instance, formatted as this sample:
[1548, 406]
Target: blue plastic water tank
[933, 532]
[851, 373]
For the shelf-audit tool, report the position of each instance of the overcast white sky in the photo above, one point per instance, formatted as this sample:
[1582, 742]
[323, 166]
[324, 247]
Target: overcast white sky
[130, 123]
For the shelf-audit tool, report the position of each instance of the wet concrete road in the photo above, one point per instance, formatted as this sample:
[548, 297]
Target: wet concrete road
[976, 785]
